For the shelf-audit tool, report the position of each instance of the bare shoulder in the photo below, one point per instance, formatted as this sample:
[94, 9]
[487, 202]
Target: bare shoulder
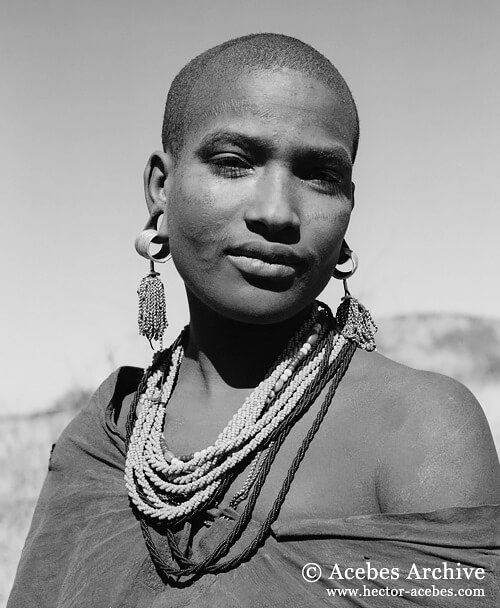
[434, 445]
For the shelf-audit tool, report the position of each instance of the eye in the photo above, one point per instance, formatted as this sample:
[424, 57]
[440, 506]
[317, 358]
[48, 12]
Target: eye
[230, 166]
[325, 180]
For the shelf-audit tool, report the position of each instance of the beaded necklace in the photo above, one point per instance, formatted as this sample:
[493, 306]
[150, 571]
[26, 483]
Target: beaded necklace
[173, 489]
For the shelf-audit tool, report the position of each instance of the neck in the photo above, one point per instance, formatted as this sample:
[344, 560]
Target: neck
[223, 353]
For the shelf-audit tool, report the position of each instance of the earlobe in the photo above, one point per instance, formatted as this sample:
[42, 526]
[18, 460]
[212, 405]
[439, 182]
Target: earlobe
[155, 180]
[344, 253]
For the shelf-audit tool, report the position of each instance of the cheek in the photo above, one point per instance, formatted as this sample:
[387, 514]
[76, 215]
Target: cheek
[197, 229]
[327, 229]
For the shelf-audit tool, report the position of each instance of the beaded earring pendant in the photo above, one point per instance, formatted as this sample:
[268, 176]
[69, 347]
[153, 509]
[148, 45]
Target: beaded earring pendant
[356, 323]
[152, 318]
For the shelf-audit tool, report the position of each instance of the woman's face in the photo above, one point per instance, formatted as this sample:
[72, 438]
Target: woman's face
[260, 197]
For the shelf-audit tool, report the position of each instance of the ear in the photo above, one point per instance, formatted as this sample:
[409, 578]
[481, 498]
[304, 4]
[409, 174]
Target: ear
[344, 253]
[156, 173]
[345, 249]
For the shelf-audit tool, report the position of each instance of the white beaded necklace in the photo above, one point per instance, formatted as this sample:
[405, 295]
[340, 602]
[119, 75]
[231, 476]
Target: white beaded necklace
[169, 488]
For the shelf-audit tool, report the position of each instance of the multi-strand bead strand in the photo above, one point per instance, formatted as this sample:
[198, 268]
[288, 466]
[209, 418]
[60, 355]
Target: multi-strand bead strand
[135, 461]
[166, 487]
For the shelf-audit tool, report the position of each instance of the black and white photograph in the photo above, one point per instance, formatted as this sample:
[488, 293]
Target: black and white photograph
[251, 307]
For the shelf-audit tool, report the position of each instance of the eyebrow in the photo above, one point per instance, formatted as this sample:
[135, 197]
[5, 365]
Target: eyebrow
[235, 138]
[256, 144]
[337, 154]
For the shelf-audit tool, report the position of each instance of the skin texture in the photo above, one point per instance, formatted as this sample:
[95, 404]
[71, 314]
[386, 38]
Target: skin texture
[266, 161]
[267, 189]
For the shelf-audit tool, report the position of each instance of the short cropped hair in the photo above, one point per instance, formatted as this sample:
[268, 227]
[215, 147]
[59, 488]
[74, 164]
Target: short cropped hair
[255, 51]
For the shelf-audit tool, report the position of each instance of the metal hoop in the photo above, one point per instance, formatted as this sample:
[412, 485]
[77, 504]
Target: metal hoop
[342, 275]
[143, 243]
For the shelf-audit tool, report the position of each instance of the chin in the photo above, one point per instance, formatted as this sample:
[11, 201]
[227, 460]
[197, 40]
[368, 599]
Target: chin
[262, 307]
[252, 300]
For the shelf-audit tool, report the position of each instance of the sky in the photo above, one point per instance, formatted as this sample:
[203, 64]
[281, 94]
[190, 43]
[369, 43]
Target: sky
[84, 85]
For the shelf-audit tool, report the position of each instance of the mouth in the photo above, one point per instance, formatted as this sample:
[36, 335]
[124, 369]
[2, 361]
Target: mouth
[265, 260]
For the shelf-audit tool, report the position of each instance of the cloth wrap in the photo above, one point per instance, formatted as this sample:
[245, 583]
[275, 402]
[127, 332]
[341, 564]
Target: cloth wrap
[85, 548]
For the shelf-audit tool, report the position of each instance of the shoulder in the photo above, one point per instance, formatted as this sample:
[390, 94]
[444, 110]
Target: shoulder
[108, 398]
[87, 436]
[120, 383]
[417, 402]
[433, 443]
[116, 393]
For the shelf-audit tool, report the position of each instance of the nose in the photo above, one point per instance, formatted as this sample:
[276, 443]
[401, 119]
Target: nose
[272, 210]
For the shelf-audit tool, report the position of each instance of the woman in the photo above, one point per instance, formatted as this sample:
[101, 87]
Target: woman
[245, 480]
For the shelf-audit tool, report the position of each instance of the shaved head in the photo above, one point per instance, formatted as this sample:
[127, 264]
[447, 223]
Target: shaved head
[208, 73]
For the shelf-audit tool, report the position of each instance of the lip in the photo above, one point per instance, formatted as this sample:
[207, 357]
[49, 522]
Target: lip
[264, 260]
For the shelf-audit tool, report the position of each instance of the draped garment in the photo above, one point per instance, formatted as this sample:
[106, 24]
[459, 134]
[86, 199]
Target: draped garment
[85, 547]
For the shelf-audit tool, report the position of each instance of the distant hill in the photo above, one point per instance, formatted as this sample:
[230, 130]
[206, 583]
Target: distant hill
[462, 346]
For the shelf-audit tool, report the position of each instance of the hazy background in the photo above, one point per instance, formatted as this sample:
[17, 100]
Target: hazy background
[84, 85]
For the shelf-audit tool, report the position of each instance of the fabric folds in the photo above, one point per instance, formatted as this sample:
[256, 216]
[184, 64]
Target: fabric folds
[85, 548]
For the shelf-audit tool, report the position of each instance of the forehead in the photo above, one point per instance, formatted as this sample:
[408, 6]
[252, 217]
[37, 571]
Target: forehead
[284, 103]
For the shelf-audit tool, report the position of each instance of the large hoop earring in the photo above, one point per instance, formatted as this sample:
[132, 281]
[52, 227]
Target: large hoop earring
[342, 275]
[143, 242]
